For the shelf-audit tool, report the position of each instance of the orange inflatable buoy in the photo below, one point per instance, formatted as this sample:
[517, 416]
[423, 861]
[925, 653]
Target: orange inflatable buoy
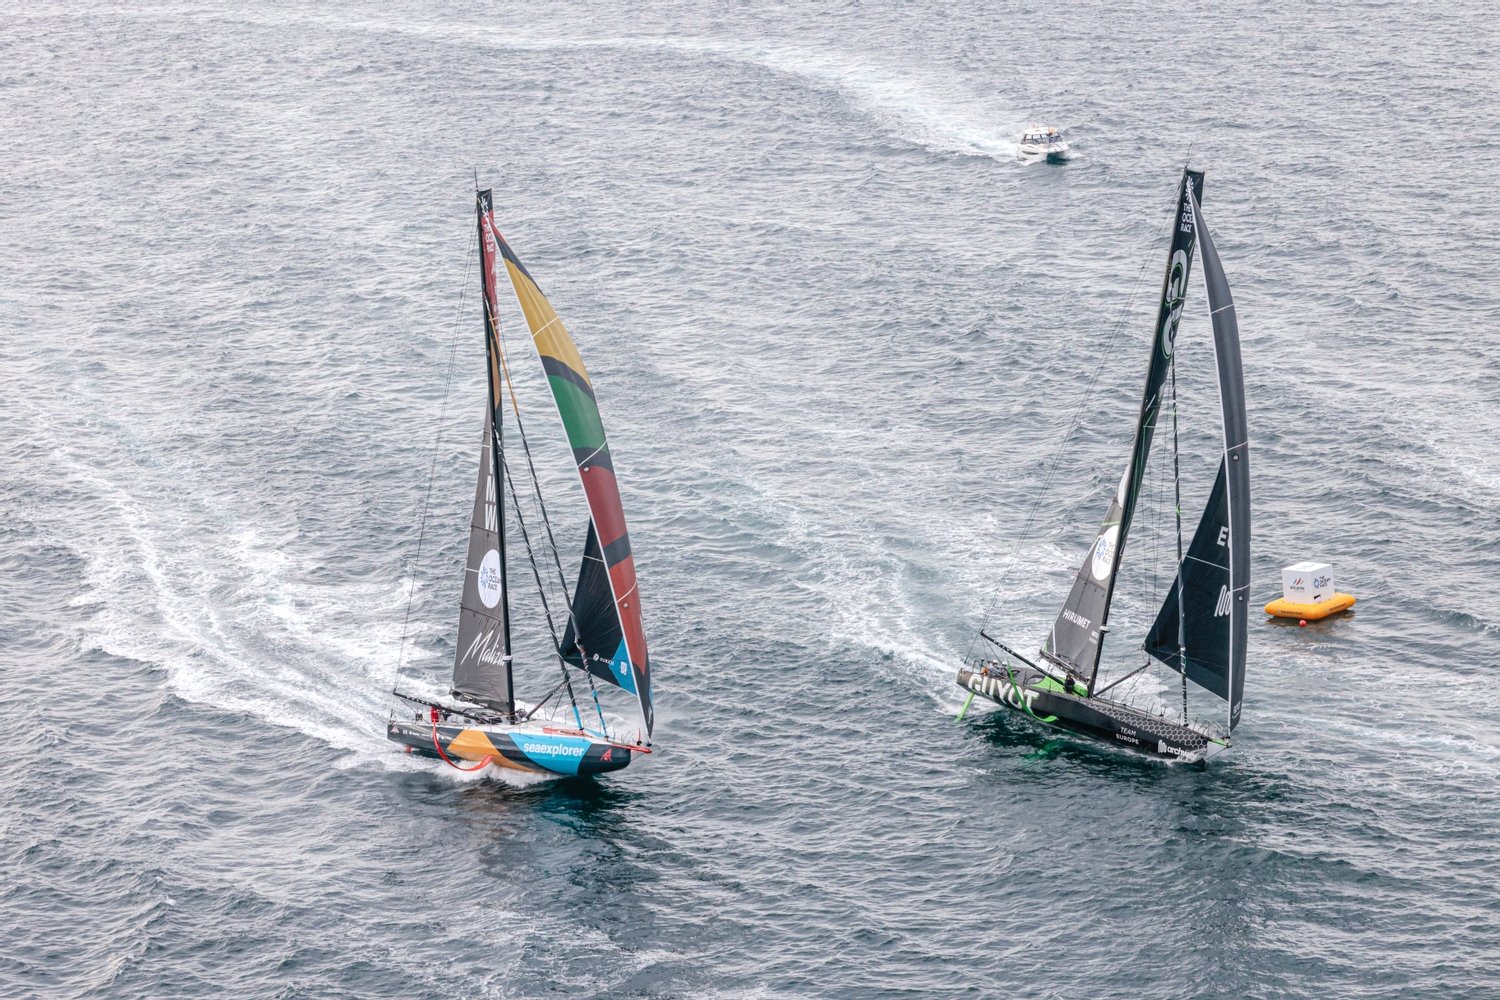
[1282, 608]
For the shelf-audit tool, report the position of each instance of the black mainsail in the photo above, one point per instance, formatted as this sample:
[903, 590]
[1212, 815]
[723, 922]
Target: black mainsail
[1214, 577]
[1075, 640]
[482, 659]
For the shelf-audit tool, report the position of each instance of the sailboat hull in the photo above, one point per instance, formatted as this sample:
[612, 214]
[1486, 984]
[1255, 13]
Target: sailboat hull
[1040, 698]
[538, 749]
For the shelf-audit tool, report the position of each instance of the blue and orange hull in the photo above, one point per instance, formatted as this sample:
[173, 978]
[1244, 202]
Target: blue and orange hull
[538, 749]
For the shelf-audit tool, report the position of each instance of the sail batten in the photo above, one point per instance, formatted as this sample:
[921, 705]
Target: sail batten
[1076, 636]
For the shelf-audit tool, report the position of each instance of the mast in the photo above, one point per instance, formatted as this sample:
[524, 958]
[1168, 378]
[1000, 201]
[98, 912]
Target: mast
[482, 657]
[1076, 637]
[485, 220]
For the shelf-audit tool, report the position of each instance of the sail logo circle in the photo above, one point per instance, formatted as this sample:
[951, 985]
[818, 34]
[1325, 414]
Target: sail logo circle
[1103, 562]
[1176, 291]
[488, 578]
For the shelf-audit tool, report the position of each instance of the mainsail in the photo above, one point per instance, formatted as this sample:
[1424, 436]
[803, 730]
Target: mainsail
[626, 662]
[1214, 578]
[482, 662]
[1074, 642]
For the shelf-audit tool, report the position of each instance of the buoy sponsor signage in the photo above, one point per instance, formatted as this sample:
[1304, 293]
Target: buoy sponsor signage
[1307, 582]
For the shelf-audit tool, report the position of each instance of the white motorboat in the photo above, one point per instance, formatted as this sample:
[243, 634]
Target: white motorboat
[1043, 141]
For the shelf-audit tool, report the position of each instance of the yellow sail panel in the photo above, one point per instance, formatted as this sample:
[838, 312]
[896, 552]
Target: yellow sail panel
[547, 330]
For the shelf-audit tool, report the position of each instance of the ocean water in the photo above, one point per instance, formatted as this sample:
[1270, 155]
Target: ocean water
[870, 382]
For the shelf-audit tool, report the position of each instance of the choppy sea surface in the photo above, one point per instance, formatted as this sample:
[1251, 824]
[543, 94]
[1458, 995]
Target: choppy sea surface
[870, 382]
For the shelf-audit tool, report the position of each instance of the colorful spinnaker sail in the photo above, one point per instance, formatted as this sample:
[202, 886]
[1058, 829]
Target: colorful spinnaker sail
[607, 553]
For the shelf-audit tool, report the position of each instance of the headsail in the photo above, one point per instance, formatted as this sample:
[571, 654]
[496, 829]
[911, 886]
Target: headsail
[592, 635]
[573, 393]
[1203, 582]
[1074, 641]
[481, 663]
[1214, 577]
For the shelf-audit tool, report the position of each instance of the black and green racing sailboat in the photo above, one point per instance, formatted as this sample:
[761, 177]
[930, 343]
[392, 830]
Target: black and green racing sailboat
[1200, 631]
[595, 633]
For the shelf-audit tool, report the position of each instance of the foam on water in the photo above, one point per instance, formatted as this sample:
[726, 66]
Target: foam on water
[835, 353]
[239, 627]
[916, 108]
[935, 115]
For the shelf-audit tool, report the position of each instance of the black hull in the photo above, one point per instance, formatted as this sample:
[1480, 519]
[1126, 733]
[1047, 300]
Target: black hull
[1041, 699]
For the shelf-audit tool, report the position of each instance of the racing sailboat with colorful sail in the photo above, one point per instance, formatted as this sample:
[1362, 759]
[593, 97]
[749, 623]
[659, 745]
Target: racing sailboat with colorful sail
[595, 633]
[1200, 631]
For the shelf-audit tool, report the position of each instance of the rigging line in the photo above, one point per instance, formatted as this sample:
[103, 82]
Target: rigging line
[432, 469]
[540, 589]
[530, 554]
[603, 726]
[536, 486]
[545, 698]
[1177, 506]
[1127, 677]
[1156, 481]
[1074, 424]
